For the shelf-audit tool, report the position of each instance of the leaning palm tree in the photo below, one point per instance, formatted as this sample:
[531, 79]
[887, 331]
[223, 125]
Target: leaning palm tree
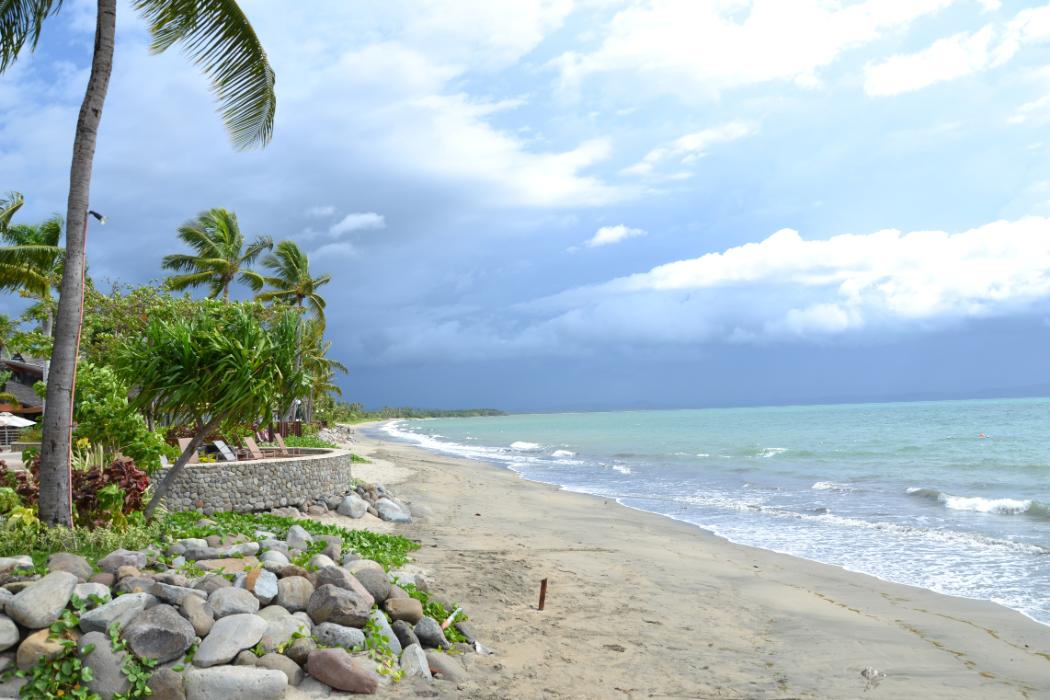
[220, 255]
[218, 37]
[291, 282]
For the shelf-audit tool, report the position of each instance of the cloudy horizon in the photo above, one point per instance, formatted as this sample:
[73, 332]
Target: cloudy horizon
[587, 204]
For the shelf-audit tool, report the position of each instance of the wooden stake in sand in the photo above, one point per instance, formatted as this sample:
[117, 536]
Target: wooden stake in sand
[543, 593]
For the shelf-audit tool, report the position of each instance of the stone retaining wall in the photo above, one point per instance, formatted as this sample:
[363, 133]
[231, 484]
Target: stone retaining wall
[260, 484]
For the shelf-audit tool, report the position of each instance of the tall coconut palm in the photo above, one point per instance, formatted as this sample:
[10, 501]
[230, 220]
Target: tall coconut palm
[218, 37]
[31, 262]
[318, 366]
[220, 255]
[291, 282]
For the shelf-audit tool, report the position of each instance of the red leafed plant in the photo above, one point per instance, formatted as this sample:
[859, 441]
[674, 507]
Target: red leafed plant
[90, 488]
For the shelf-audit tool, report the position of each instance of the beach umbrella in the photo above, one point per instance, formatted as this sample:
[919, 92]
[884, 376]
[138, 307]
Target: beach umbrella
[8, 421]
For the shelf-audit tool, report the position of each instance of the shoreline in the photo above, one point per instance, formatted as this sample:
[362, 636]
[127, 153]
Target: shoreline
[643, 605]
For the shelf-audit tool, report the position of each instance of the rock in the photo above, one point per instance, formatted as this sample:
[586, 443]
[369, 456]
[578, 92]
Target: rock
[274, 557]
[304, 617]
[375, 582]
[9, 564]
[9, 635]
[166, 684]
[293, 593]
[320, 561]
[199, 614]
[280, 662]
[467, 631]
[232, 601]
[126, 571]
[316, 509]
[298, 538]
[42, 603]
[231, 566]
[175, 595]
[414, 662]
[229, 635]
[134, 584]
[273, 612]
[392, 512]
[405, 635]
[212, 582]
[159, 633]
[340, 605]
[235, 683]
[358, 565]
[299, 650]
[122, 557]
[409, 610]
[333, 548]
[261, 583]
[230, 551]
[173, 578]
[336, 576]
[336, 668]
[429, 633]
[120, 610]
[34, 647]
[70, 563]
[397, 592]
[332, 635]
[409, 575]
[105, 578]
[6, 597]
[246, 658]
[448, 667]
[280, 631]
[272, 545]
[105, 665]
[89, 592]
[352, 506]
[193, 543]
[392, 643]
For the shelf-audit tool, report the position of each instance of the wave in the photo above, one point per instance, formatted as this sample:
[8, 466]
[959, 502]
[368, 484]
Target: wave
[772, 451]
[978, 504]
[831, 486]
[563, 453]
[525, 446]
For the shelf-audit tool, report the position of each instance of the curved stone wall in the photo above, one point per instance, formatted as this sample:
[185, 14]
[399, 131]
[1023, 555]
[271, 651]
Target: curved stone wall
[260, 484]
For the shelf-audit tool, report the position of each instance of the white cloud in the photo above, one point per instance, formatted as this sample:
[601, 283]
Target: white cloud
[681, 46]
[607, 235]
[686, 150]
[959, 55]
[361, 221]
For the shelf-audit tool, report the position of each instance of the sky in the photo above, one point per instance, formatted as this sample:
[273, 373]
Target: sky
[600, 204]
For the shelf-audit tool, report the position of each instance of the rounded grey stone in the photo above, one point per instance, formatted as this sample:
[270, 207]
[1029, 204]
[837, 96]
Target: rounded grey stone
[229, 636]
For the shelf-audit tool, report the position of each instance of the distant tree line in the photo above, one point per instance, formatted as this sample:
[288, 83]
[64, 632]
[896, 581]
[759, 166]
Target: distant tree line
[356, 413]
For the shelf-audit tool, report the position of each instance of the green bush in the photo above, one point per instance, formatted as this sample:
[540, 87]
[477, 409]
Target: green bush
[104, 417]
[308, 441]
[8, 500]
[39, 541]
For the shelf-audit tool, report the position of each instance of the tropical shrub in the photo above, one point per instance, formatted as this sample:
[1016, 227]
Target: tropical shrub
[104, 416]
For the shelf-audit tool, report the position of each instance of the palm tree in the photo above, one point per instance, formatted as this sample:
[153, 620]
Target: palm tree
[319, 367]
[32, 261]
[220, 255]
[8, 206]
[291, 281]
[218, 37]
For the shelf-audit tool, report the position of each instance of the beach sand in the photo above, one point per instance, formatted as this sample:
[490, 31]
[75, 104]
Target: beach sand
[641, 606]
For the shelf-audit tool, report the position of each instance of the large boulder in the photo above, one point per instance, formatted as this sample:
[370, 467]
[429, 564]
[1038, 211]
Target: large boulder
[70, 563]
[392, 512]
[340, 605]
[298, 538]
[229, 636]
[332, 635]
[414, 662]
[409, 610]
[280, 629]
[235, 683]
[430, 634]
[108, 678]
[447, 667]
[122, 557]
[352, 506]
[120, 610]
[8, 633]
[375, 582]
[339, 670]
[293, 593]
[42, 603]
[403, 632]
[159, 633]
[36, 646]
[199, 614]
[232, 601]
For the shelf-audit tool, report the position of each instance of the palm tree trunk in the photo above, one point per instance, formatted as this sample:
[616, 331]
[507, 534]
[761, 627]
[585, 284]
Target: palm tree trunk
[55, 498]
[48, 326]
[203, 431]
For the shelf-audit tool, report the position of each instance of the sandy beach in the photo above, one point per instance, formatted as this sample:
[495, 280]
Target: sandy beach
[641, 606]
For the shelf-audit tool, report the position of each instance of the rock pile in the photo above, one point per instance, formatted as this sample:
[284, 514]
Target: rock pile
[251, 625]
[373, 499]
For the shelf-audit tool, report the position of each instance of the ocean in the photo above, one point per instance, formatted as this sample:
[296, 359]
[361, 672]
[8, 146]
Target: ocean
[953, 496]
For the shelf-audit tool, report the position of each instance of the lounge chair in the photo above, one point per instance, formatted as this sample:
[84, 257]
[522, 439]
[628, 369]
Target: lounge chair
[282, 449]
[253, 448]
[183, 444]
[224, 451]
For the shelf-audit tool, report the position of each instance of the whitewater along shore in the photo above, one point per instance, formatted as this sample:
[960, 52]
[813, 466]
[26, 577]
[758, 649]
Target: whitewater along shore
[642, 606]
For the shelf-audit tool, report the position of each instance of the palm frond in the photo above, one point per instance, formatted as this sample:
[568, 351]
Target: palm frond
[21, 21]
[13, 201]
[219, 38]
[194, 279]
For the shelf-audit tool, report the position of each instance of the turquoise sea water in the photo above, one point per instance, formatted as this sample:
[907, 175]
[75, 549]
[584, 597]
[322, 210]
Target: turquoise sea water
[908, 492]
